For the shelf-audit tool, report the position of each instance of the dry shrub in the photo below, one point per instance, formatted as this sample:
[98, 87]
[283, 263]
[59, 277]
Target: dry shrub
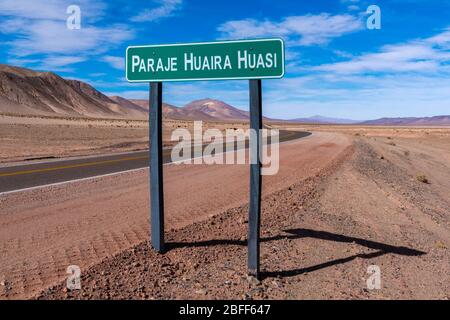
[422, 178]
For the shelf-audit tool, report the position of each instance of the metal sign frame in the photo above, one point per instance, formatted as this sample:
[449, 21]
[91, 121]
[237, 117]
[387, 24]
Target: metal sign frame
[156, 168]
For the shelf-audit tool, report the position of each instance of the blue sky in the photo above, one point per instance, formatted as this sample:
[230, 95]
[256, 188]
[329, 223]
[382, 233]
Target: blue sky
[335, 65]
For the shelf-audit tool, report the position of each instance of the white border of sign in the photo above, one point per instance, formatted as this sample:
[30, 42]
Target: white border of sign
[203, 43]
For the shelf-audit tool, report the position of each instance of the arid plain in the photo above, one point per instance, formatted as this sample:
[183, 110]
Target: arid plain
[345, 198]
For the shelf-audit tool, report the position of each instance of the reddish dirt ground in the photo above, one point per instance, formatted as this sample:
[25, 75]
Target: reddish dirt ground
[319, 236]
[84, 223]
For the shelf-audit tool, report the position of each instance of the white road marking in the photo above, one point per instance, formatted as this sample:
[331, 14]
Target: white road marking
[70, 181]
[53, 160]
[95, 177]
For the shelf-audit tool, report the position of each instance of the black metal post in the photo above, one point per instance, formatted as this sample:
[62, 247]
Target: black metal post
[254, 219]
[156, 168]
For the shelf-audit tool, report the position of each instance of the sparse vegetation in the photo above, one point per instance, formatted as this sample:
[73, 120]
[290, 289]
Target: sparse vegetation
[422, 178]
[440, 245]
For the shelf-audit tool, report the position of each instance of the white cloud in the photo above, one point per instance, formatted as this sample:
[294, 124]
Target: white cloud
[39, 28]
[349, 2]
[359, 97]
[298, 30]
[442, 39]
[421, 55]
[47, 36]
[49, 9]
[405, 79]
[62, 61]
[353, 5]
[165, 9]
[353, 8]
[402, 58]
[98, 74]
[115, 62]
[54, 63]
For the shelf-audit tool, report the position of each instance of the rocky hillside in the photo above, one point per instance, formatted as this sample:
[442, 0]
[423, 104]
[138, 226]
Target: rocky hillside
[24, 91]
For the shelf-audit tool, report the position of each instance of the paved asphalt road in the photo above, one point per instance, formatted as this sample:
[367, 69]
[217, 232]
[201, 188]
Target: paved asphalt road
[39, 174]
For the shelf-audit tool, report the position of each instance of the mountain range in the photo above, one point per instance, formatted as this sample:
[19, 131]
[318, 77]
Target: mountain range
[28, 92]
[324, 120]
[411, 121]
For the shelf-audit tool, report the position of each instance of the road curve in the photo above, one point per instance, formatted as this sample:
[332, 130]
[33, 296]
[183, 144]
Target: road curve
[16, 178]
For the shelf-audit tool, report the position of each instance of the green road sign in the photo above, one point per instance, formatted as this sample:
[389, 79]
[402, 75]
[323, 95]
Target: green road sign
[224, 60]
